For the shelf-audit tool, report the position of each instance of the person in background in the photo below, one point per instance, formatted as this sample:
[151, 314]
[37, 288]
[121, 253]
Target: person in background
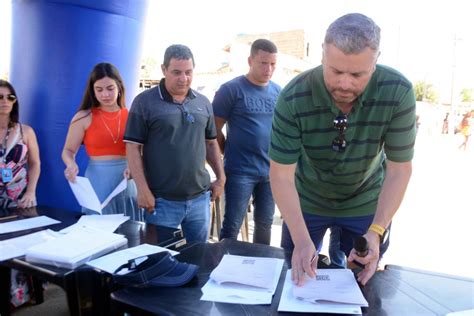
[465, 129]
[100, 124]
[246, 105]
[445, 129]
[20, 168]
[170, 134]
[342, 142]
[20, 164]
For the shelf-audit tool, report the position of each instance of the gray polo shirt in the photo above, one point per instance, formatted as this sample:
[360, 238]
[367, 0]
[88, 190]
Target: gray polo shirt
[174, 137]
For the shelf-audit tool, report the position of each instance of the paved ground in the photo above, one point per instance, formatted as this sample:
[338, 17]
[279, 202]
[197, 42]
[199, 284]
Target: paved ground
[432, 229]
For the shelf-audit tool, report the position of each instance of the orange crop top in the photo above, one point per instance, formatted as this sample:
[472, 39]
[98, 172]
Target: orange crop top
[104, 136]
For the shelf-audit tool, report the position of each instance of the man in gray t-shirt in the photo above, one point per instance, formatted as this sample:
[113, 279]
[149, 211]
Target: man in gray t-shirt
[170, 133]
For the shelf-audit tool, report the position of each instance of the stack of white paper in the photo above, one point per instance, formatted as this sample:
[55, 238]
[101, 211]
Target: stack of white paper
[16, 247]
[75, 248]
[332, 291]
[243, 280]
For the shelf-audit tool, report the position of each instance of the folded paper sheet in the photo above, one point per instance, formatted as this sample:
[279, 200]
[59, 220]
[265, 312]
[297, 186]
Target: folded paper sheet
[86, 196]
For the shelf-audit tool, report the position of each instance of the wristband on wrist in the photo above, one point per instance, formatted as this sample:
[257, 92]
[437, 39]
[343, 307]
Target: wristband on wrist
[377, 229]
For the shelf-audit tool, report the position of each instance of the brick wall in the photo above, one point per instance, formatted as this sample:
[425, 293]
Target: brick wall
[289, 42]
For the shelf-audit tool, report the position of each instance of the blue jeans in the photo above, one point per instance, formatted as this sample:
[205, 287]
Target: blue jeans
[337, 256]
[238, 190]
[351, 227]
[193, 216]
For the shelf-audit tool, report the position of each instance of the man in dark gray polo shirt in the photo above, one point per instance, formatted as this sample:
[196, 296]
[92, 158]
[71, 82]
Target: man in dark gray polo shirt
[170, 133]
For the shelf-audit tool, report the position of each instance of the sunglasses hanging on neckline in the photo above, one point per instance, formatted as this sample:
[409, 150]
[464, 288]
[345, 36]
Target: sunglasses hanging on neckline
[339, 142]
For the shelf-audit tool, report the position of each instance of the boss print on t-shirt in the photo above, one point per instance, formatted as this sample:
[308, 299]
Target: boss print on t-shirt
[260, 105]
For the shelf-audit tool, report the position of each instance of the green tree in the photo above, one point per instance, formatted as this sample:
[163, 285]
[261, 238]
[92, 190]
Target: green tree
[467, 95]
[425, 92]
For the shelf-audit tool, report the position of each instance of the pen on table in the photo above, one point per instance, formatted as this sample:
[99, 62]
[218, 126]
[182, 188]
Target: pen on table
[8, 217]
[313, 258]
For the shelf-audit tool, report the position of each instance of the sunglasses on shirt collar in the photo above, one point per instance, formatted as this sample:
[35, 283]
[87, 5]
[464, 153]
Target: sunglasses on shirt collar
[339, 142]
[186, 115]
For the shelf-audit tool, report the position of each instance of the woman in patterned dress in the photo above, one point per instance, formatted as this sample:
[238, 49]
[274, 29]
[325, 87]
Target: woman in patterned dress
[19, 154]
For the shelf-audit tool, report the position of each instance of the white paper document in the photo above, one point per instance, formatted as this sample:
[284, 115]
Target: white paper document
[28, 223]
[331, 285]
[111, 262]
[253, 271]
[335, 291]
[243, 280]
[86, 196]
[16, 247]
[108, 223]
[235, 294]
[75, 248]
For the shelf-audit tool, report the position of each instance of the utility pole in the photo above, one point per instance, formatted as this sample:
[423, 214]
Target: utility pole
[453, 73]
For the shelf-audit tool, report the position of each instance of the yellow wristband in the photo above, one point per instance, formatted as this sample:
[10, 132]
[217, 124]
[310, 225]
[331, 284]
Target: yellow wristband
[377, 229]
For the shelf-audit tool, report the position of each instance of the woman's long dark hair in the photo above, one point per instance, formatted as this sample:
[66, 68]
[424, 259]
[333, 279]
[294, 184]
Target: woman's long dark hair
[101, 71]
[15, 113]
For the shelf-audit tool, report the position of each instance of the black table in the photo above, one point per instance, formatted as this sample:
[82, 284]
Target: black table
[84, 286]
[394, 291]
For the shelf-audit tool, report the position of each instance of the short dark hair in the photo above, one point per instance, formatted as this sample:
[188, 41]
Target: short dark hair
[15, 113]
[101, 71]
[352, 33]
[179, 52]
[263, 44]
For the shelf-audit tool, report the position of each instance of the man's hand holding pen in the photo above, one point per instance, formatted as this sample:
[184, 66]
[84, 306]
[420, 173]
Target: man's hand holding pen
[304, 263]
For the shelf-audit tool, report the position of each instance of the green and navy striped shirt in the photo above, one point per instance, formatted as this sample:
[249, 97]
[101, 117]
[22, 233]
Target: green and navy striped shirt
[381, 125]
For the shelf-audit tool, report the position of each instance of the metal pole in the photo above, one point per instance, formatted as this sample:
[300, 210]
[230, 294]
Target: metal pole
[453, 74]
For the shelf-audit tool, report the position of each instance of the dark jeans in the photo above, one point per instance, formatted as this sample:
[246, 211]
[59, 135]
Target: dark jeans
[238, 190]
[350, 228]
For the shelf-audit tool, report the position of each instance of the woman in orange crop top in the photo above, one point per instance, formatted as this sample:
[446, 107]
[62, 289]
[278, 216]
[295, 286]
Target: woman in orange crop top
[99, 125]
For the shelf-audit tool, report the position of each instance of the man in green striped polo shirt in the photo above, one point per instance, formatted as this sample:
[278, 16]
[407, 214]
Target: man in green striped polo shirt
[342, 142]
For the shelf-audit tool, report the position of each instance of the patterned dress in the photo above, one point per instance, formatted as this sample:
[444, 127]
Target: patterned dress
[15, 157]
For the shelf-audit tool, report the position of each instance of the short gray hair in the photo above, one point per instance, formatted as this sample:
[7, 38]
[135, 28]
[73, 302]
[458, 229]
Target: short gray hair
[179, 52]
[352, 33]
